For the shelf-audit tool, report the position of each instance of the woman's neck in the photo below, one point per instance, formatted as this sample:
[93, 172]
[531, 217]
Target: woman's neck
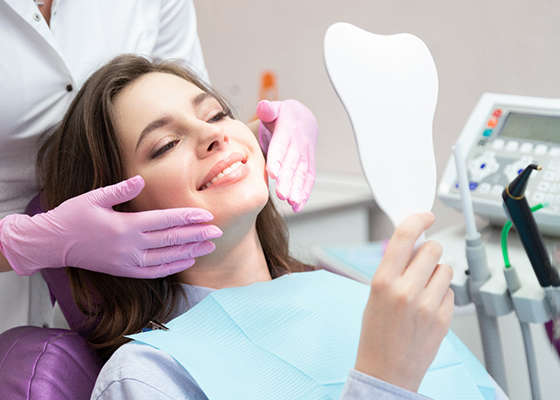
[233, 263]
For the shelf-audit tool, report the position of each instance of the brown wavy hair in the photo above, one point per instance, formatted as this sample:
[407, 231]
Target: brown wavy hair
[84, 154]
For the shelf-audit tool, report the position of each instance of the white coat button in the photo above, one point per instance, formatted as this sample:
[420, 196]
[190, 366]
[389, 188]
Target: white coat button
[36, 17]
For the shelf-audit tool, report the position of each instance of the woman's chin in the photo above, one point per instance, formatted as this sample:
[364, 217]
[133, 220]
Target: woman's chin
[236, 224]
[238, 207]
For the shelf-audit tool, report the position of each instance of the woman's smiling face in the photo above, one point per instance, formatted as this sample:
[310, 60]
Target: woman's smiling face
[189, 153]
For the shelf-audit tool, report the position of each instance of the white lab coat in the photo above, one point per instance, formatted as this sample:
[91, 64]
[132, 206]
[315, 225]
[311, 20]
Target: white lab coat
[42, 68]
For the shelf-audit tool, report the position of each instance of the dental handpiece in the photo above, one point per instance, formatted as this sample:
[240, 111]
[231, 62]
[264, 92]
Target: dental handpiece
[519, 212]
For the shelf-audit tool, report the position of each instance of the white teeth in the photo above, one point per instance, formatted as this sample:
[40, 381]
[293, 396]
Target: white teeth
[225, 172]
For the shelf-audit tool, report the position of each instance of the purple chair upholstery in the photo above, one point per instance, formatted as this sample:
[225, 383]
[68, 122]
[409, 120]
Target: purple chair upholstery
[59, 287]
[47, 364]
[550, 331]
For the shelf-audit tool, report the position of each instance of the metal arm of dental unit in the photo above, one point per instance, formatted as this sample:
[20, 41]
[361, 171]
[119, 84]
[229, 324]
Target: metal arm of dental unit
[479, 275]
[496, 294]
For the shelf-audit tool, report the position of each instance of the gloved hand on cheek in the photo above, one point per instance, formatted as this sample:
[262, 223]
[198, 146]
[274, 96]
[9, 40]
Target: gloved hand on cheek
[288, 134]
[85, 232]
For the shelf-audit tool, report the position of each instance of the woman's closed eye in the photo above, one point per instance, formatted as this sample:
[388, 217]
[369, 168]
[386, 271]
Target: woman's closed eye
[218, 117]
[171, 143]
[164, 149]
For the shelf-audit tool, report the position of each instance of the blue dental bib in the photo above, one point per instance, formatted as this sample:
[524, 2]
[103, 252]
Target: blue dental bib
[295, 337]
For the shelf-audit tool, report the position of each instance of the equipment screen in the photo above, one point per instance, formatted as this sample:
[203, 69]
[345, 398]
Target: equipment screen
[532, 127]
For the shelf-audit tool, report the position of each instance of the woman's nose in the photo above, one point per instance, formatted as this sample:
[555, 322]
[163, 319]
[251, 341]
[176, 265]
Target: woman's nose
[212, 138]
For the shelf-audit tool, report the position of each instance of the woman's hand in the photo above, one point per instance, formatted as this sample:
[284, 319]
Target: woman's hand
[85, 232]
[290, 148]
[409, 309]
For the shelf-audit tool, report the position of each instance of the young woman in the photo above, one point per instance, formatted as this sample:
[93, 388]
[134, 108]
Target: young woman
[159, 122]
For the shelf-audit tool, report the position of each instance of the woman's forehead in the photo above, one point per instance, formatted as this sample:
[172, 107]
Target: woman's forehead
[154, 91]
[160, 82]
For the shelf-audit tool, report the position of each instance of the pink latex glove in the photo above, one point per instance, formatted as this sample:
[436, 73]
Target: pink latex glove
[288, 134]
[85, 232]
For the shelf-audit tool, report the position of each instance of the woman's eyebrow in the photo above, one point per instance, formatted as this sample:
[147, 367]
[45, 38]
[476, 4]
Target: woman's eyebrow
[152, 126]
[200, 98]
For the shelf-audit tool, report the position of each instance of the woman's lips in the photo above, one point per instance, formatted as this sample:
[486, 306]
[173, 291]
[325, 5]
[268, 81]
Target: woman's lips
[229, 169]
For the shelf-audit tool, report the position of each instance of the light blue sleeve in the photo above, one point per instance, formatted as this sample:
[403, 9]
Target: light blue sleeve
[360, 386]
[138, 371]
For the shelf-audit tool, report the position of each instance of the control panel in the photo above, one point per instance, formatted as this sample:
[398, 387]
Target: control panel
[502, 136]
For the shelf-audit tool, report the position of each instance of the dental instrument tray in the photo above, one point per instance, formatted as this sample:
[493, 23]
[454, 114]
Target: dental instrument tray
[503, 135]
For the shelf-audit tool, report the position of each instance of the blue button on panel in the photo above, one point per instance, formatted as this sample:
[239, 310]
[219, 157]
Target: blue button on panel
[473, 185]
[487, 133]
[482, 166]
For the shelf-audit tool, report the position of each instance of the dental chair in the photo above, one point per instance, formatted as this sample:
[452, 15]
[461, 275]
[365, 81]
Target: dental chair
[47, 363]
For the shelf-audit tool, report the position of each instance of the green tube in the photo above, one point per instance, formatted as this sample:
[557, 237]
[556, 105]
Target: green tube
[505, 232]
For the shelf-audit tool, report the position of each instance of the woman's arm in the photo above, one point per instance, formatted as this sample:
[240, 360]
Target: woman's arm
[360, 386]
[409, 309]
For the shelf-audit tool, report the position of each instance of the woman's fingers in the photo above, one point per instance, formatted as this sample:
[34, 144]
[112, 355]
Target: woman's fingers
[401, 246]
[424, 263]
[440, 281]
[409, 300]
[432, 299]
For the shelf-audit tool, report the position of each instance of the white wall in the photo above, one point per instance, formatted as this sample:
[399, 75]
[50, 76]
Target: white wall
[503, 46]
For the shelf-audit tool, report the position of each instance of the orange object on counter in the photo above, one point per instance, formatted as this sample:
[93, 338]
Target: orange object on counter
[268, 88]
